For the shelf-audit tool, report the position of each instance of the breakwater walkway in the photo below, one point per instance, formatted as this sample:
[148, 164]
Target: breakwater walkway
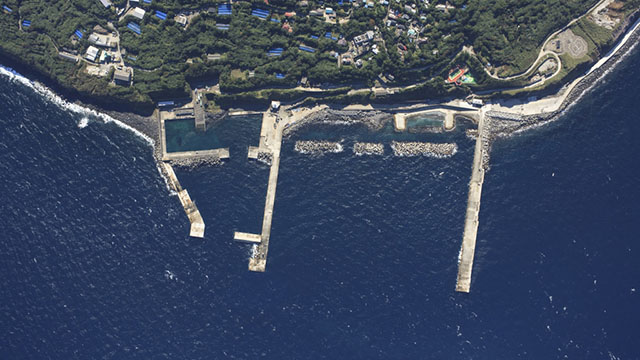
[467, 251]
[197, 223]
[270, 141]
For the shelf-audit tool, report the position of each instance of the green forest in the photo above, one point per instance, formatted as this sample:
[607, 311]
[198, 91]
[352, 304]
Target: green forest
[167, 57]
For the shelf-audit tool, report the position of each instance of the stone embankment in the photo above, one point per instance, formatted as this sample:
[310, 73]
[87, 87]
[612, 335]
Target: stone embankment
[374, 120]
[317, 147]
[472, 134]
[265, 157]
[501, 128]
[438, 150]
[194, 162]
[368, 149]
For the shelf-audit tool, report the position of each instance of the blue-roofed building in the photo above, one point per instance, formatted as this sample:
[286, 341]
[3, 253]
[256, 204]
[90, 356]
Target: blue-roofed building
[222, 26]
[166, 103]
[134, 27]
[147, 1]
[262, 14]
[279, 76]
[7, 9]
[275, 52]
[306, 48]
[224, 9]
[26, 23]
[78, 33]
[160, 15]
[315, 37]
[275, 20]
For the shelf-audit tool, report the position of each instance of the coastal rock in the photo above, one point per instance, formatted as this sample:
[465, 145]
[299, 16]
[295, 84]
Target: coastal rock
[265, 157]
[317, 147]
[373, 119]
[438, 150]
[368, 149]
[194, 162]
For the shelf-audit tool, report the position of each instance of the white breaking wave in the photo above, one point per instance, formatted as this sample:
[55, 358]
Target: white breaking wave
[317, 147]
[80, 110]
[83, 122]
[74, 108]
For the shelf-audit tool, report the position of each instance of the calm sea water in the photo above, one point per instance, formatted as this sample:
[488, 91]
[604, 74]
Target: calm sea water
[96, 262]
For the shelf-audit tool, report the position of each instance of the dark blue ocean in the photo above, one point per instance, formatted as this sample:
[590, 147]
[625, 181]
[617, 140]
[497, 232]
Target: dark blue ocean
[96, 262]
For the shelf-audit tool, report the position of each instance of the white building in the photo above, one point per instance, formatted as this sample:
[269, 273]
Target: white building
[138, 13]
[92, 53]
[102, 40]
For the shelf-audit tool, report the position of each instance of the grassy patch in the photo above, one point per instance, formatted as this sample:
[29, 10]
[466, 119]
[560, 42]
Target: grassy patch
[599, 35]
[237, 74]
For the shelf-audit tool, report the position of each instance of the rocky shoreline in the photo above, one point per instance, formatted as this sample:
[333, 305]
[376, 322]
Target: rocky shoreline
[368, 149]
[373, 119]
[437, 150]
[503, 128]
[317, 147]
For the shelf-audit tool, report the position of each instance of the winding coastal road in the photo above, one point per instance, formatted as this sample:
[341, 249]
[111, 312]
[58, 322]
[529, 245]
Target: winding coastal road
[544, 52]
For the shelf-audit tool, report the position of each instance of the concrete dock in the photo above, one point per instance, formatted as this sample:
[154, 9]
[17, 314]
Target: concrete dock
[253, 152]
[465, 261]
[247, 237]
[197, 224]
[400, 122]
[222, 153]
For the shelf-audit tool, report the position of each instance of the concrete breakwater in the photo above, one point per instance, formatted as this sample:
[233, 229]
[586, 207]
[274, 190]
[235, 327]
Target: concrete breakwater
[439, 150]
[192, 159]
[368, 149]
[197, 224]
[317, 147]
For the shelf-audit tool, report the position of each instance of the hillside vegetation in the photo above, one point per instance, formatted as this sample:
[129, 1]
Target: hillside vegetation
[167, 56]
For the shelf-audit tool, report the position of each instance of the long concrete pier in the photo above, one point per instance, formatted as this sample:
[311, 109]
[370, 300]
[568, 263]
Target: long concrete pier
[247, 237]
[270, 140]
[273, 125]
[465, 261]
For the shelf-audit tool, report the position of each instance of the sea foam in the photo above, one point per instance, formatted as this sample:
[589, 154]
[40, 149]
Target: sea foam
[80, 110]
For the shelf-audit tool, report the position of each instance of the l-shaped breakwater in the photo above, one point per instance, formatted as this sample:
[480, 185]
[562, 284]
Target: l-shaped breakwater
[273, 125]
